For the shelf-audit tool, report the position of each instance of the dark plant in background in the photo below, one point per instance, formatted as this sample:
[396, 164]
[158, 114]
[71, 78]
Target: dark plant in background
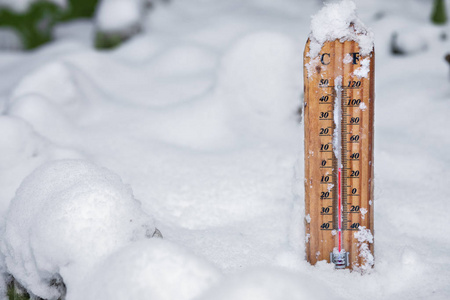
[79, 9]
[16, 291]
[418, 39]
[35, 25]
[447, 58]
[439, 14]
[110, 40]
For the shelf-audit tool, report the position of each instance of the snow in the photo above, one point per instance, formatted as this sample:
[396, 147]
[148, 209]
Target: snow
[411, 38]
[311, 66]
[119, 15]
[66, 216]
[363, 211]
[17, 141]
[364, 237]
[81, 30]
[155, 268]
[198, 115]
[362, 106]
[269, 284]
[363, 70]
[267, 91]
[9, 40]
[347, 59]
[339, 21]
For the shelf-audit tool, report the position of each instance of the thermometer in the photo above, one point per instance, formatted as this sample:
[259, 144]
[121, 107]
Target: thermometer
[339, 116]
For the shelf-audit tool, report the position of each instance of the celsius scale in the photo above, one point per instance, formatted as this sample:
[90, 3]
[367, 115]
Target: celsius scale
[339, 115]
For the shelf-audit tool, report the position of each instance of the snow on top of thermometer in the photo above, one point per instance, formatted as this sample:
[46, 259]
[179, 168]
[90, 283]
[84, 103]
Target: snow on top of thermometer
[339, 21]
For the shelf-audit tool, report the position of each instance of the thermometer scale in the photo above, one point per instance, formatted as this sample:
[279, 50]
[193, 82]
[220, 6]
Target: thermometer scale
[339, 114]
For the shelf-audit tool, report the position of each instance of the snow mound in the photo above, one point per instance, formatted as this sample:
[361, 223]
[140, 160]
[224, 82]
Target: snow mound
[46, 117]
[339, 21]
[119, 15]
[259, 75]
[269, 284]
[50, 99]
[17, 142]
[43, 81]
[158, 269]
[66, 216]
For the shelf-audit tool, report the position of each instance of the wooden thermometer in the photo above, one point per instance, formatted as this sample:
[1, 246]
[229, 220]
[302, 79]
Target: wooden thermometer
[339, 113]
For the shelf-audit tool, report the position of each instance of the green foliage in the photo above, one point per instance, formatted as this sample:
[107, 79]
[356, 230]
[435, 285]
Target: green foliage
[35, 26]
[112, 39]
[108, 40]
[14, 295]
[16, 292]
[439, 14]
[79, 9]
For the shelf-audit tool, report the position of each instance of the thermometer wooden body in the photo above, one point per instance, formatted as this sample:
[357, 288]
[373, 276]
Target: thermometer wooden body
[339, 115]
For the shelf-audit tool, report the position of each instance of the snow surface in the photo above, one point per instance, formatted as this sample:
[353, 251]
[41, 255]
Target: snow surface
[198, 115]
[156, 269]
[269, 284]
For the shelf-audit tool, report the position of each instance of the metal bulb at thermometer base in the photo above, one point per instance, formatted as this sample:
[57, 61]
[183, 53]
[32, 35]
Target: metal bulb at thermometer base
[339, 115]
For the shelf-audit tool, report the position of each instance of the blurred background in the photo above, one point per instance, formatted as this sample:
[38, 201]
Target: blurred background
[27, 24]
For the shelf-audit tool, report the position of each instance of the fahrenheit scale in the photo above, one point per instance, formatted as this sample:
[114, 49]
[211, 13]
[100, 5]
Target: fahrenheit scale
[339, 114]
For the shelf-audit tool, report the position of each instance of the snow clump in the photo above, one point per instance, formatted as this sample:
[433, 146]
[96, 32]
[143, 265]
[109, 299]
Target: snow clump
[66, 216]
[308, 218]
[43, 81]
[155, 268]
[364, 237]
[50, 111]
[339, 21]
[363, 71]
